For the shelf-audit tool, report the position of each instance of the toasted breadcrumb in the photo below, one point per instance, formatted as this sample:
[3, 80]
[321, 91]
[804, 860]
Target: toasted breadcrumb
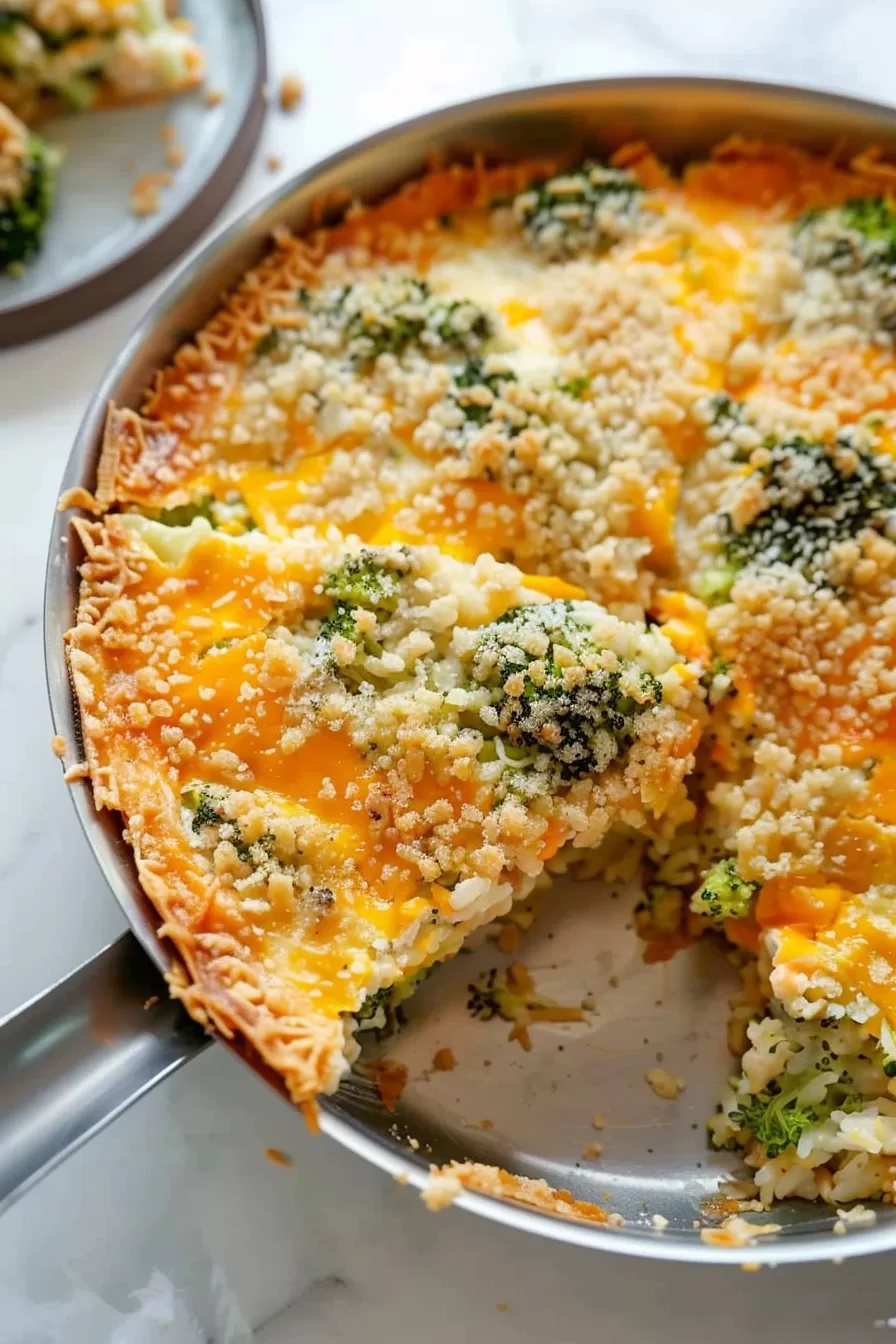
[292, 90]
[597, 1120]
[659, 1222]
[59, 746]
[509, 939]
[273, 163]
[663, 1084]
[592, 1150]
[443, 1060]
[175, 156]
[214, 97]
[146, 193]
[441, 1190]
[736, 1231]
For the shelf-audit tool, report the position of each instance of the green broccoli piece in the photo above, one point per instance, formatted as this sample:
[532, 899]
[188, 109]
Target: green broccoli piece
[391, 314]
[816, 495]
[776, 1120]
[473, 375]
[182, 515]
[717, 680]
[389, 1000]
[268, 343]
[371, 579]
[587, 209]
[714, 585]
[854, 236]
[580, 723]
[24, 214]
[205, 802]
[724, 894]
[574, 387]
[233, 509]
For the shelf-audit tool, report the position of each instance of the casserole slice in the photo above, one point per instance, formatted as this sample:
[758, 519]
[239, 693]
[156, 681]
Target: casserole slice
[27, 186]
[334, 761]
[58, 54]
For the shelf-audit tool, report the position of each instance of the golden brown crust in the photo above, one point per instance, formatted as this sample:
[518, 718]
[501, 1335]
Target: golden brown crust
[222, 985]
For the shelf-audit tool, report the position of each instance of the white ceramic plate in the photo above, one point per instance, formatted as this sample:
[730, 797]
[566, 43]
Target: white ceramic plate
[96, 250]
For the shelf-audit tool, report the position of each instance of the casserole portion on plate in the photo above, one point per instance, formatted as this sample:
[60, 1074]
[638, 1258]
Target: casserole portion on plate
[57, 54]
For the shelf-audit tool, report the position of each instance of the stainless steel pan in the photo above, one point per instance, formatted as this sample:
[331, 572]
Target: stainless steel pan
[76, 1056]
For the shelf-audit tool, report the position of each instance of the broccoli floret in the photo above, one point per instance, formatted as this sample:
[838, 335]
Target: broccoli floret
[550, 690]
[815, 495]
[389, 999]
[587, 209]
[717, 680]
[24, 213]
[856, 244]
[391, 314]
[724, 894]
[860, 233]
[268, 343]
[776, 1119]
[371, 579]
[231, 513]
[182, 515]
[469, 381]
[205, 802]
[574, 387]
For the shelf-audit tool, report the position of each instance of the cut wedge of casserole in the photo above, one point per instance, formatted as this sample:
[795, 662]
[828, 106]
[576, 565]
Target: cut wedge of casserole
[335, 763]
[539, 511]
[27, 186]
[92, 53]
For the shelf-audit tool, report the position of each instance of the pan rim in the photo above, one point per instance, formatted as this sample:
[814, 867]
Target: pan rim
[796, 1248]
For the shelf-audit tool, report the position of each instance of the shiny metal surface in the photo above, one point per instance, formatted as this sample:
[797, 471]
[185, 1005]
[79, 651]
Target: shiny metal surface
[78, 1054]
[539, 1105]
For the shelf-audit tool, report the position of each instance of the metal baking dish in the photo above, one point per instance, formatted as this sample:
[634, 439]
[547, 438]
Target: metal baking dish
[83, 1051]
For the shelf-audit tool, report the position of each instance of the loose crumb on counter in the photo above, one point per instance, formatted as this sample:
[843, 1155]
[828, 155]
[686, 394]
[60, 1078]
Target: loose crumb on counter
[214, 97]
[273, 163]
[175, 155]
[659, 1223]
[597, 1120]
[591, 1151]
[279, 1158]
[444, 1060]
[292, 91]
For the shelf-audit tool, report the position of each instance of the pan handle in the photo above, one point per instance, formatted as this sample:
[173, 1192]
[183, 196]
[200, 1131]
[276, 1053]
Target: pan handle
[76, 1056]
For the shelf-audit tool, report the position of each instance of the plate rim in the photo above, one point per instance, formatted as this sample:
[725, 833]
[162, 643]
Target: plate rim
[100, 290]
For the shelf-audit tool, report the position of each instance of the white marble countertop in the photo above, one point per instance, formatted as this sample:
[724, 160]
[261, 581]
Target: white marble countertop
[172, 1226]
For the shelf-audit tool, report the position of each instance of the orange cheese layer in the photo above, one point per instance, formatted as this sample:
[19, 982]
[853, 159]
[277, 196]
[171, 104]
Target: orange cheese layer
[234, 702]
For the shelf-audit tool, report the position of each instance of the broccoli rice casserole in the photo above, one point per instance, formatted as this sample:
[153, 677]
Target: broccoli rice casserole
[540, 511]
